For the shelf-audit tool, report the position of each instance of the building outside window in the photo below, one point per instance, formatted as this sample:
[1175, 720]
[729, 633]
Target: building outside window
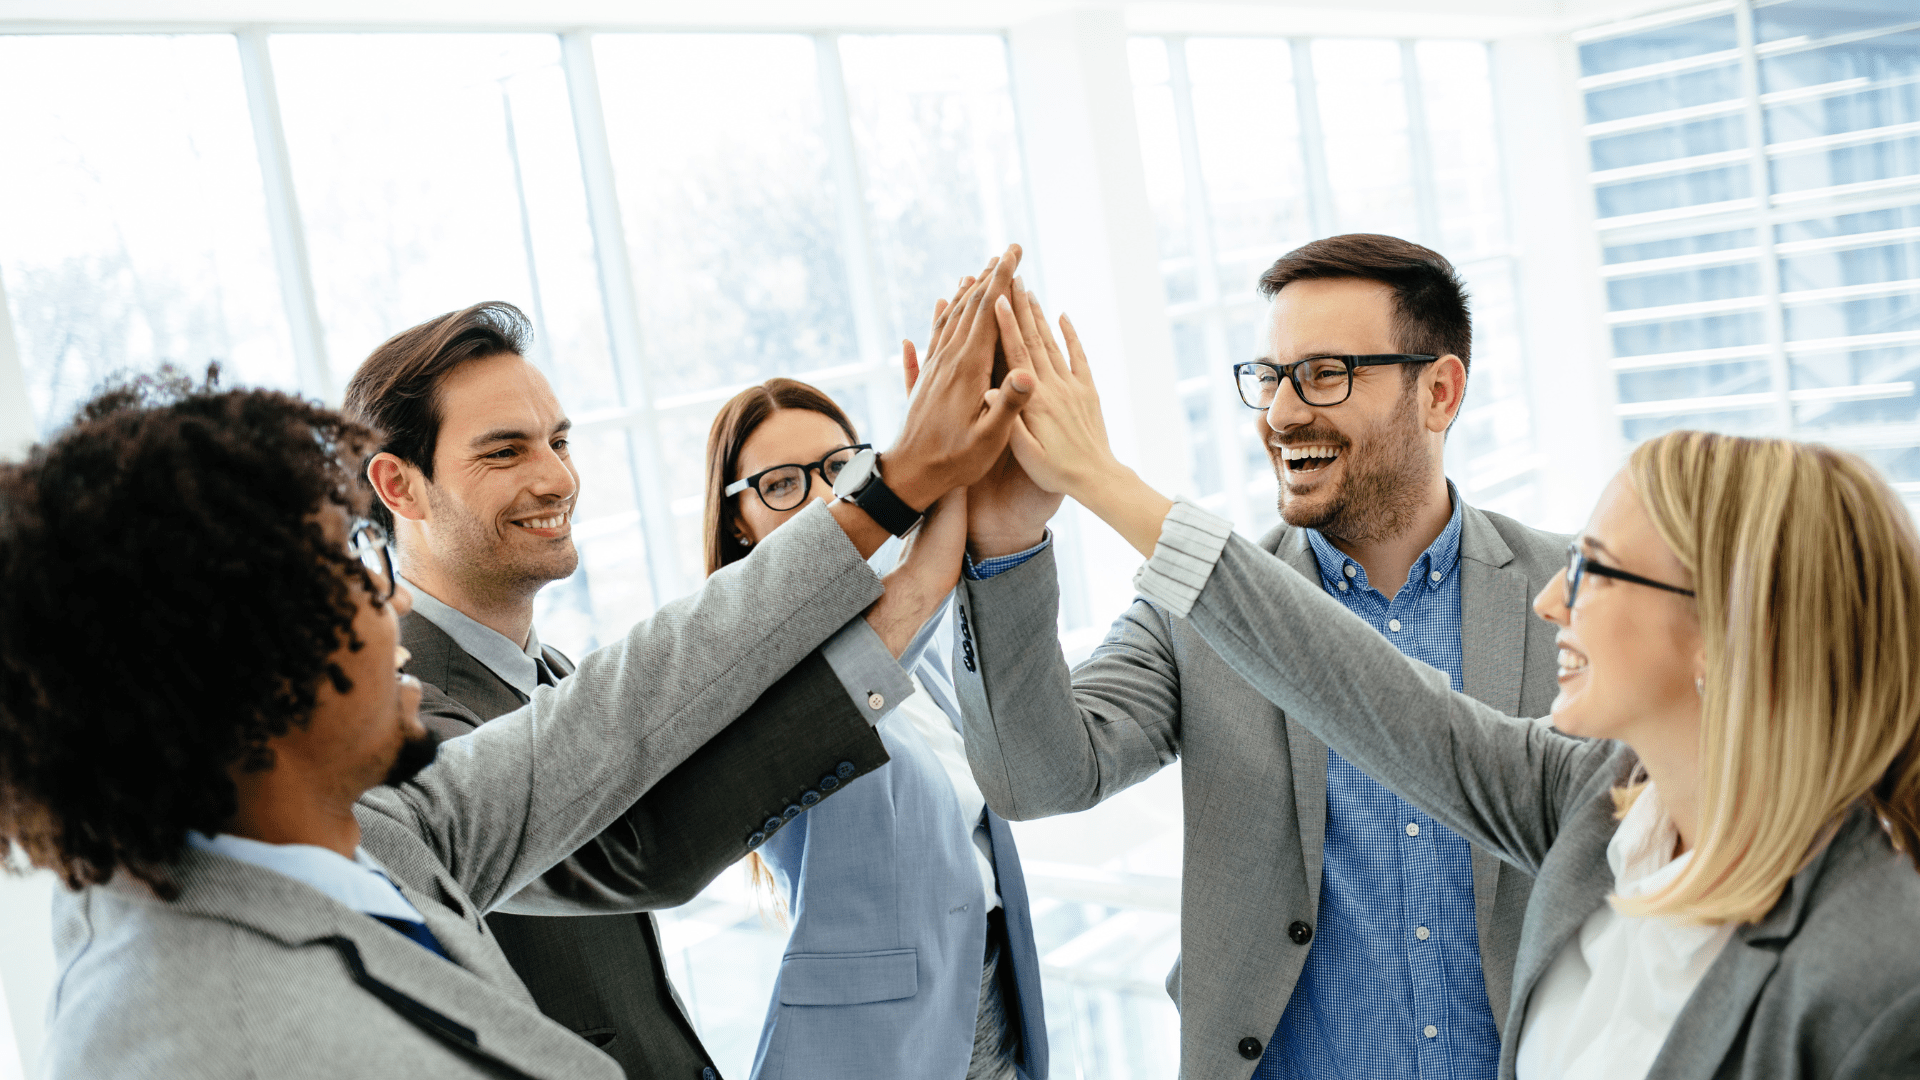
[1756, 175]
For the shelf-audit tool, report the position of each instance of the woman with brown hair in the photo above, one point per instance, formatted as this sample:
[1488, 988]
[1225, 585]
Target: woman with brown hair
[912, 950]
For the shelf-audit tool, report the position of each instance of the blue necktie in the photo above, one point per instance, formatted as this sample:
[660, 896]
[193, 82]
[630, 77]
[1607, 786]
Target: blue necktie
[417, 933]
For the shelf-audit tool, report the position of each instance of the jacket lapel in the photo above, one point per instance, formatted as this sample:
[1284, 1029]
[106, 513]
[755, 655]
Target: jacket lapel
[445, 1000]
[1307, 753]
[1493, 635]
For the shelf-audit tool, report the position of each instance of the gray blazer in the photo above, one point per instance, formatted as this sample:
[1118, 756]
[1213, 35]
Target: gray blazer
[605, 976]
[1254, 781]
[1827, 985]
[250, 974]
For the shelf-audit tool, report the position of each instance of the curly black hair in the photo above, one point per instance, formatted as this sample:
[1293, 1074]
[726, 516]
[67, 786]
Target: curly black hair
[169, 602]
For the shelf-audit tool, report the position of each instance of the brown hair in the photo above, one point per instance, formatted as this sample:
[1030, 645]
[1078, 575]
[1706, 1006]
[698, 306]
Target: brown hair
[732, 427]
[396, 389]
[1429, 302]
[736, 423]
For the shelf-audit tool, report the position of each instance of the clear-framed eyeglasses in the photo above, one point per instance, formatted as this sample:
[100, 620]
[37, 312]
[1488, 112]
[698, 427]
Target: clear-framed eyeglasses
[1319, 380]
[367, 541]
[784, 487]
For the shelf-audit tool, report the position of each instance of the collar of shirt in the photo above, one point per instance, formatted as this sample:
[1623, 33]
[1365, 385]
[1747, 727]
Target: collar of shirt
[357, 883]
[1641, 851]
[1431, 568]
[517, 667]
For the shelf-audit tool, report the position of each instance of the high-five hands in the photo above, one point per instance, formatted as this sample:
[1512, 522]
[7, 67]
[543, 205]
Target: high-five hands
[957, 421]
[1060, 438]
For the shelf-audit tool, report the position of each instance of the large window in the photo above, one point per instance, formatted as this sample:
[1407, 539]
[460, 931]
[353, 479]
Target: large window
[1756, 173]
[1254, 146]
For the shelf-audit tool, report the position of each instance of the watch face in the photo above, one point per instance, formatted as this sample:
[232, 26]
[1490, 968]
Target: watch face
[855, 475]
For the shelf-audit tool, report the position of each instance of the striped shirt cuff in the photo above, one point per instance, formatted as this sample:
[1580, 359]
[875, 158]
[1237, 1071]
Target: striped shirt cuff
[1000, 564]
[1190, 544]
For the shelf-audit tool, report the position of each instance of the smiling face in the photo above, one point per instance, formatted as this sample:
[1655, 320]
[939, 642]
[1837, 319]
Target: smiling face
[1629, 653]
[499, 509]
[785, 437]
[1361, 469]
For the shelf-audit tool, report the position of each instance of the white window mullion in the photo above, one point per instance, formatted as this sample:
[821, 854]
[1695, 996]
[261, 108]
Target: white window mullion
[664, 576]
[284, 224]
[1772, 315]
[885, 385]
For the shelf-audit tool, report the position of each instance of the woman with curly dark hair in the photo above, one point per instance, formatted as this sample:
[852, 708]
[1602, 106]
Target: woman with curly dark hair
[205, 732]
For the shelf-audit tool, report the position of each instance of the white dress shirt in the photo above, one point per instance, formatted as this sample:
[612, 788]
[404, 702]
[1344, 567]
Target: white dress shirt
[356, 883]
[937, 731]
[1603, 1009]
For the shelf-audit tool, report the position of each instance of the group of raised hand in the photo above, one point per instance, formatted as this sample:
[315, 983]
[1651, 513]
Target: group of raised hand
[1002, 423]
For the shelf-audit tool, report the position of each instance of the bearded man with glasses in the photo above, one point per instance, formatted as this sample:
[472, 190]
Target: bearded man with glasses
[1329, 929]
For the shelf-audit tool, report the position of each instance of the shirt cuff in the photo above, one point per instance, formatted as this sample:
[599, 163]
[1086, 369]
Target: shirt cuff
[1190, 544]
[1000, 564]
[870, 674]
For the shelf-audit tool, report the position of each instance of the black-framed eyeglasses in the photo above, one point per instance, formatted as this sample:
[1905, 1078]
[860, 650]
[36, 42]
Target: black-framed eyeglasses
[784, 487]
[367, 542]
[1579, 565]
[1319, 380]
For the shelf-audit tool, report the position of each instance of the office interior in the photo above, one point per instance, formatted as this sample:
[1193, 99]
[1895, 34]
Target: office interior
[1670, 215]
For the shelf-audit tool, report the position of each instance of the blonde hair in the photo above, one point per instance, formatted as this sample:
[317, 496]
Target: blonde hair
[1807, 570]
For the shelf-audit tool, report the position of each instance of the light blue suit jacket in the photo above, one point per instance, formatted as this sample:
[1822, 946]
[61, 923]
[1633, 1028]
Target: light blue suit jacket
[881, 976]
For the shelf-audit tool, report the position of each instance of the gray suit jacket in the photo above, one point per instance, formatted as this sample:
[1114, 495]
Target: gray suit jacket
[1254, 782]
[250, 974]
[605, 976]
[1827, 985]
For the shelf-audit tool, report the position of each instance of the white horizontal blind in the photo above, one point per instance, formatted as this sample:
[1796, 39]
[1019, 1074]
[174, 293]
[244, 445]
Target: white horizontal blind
[1756, 172]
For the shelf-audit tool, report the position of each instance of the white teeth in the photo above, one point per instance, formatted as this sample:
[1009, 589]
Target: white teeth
[1302, 453]
[1571, 662]
[553, 522]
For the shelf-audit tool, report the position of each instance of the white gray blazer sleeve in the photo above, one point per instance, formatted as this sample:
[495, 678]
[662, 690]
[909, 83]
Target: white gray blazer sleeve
[1043, 740]
[523, 792]
[1503, 783]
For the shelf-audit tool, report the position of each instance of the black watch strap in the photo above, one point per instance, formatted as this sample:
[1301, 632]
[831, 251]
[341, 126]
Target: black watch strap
[883, 506]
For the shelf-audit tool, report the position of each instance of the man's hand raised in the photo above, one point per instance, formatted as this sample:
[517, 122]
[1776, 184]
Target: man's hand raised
[957, 422]
[1006, 511]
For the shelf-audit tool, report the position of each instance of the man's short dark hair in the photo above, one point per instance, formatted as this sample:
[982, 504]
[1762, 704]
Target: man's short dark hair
[396, 391]
[1429, 302]
[169, 603]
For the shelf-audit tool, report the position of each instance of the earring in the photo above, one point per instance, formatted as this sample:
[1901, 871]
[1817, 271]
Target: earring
[744, 542]
[1700, 685]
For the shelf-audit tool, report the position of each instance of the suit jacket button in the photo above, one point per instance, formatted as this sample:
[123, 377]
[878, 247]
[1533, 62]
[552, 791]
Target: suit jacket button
[845, 770]
[770, 824]
[1300, 932]
[792, 811]
[828, 783]
[756, 840]
[1250, 1046]
[708, 1074]
[809, 798]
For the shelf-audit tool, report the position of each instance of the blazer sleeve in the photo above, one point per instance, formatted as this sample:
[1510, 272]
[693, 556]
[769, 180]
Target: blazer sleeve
[798, 744]
[1043, 740]
[506, 803]
[1502, 782]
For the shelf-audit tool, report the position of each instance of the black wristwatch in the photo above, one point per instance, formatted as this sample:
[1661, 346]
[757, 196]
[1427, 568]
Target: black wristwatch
[859, 483]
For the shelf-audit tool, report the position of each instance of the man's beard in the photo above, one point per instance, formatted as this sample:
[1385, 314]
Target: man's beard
[1381, 494]
[467, 547]
[415, 755]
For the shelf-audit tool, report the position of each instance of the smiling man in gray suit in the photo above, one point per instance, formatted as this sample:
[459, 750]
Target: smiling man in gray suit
[477, 485]
[1328, 928]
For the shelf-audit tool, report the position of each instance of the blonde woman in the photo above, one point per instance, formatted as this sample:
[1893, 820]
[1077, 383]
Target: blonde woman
[1725, 856]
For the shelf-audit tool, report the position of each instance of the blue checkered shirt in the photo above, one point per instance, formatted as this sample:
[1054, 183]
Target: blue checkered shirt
[1392, 987]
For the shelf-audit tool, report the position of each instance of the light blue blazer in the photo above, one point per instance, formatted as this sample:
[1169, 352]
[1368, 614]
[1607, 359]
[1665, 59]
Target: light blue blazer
[881, 977]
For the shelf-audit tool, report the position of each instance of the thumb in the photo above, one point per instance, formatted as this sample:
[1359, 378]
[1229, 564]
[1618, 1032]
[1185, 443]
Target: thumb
[909, 363]
[1003, 407]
